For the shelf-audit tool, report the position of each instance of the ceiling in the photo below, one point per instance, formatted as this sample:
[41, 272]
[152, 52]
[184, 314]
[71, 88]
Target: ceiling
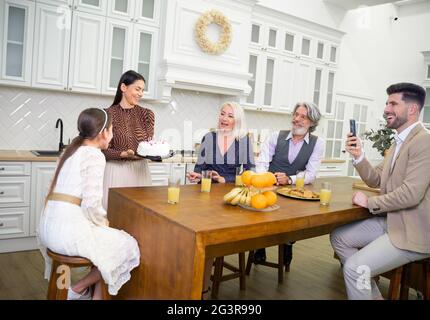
[354, 4]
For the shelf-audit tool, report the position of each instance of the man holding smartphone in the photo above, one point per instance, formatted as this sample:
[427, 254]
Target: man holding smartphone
[400, 231]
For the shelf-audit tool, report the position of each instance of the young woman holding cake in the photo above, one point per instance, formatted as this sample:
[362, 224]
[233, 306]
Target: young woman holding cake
[132, 124]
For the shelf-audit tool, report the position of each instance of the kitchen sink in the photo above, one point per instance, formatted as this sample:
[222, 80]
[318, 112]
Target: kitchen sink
[46, 153]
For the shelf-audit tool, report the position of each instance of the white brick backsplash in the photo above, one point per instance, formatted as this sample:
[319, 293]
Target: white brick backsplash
[28, 116]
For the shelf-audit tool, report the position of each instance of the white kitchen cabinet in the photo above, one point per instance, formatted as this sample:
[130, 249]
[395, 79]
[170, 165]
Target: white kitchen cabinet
[98, 7]
[86, 65]
[13, 222]
[117, 52]
[160, 173]
[129, 46]
[189, 168]
[16, 41]
[140, 11]
[334, 169]
[294, 82]
[143, 59]
[51, 47]
[177, 172]
[41, 178]
[14, 200]
[14, 191]
[304, 57]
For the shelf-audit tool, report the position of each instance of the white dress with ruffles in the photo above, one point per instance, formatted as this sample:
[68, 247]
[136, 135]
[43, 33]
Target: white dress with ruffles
[74, 230]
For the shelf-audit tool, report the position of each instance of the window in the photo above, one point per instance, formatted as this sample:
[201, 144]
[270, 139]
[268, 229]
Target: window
[320, 50]
[333, 51]
[306, 45]
[335, 136]
[272, 38]
[317, 87]
[269, 82]
[255, 33]
[289, 42]
[252, 69]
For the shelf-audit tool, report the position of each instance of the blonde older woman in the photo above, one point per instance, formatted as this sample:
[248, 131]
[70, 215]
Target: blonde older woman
[225, 149]
[222, 151]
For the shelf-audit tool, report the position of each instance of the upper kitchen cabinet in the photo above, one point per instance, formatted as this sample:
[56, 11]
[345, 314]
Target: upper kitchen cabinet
[86, 49]
[51, 47]
[129, 46]
[140, 11]
[290, 60]
[16, 41]
[98, 7]
[67, 49]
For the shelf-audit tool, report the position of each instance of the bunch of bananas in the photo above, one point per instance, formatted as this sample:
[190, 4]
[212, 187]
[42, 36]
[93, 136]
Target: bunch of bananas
[238, 195]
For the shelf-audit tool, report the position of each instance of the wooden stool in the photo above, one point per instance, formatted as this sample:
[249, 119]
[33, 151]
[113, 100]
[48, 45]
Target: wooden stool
[55, 293]
[279, 265]
[218, 277]
[412, 275]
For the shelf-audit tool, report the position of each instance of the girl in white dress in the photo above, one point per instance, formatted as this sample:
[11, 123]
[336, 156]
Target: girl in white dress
[83, 230]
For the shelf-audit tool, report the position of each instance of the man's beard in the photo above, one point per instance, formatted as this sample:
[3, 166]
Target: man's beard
[397, 123]
[300, 131]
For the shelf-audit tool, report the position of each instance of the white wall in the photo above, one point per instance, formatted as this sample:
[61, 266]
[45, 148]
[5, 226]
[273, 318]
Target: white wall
[378, 51]
[28, 116]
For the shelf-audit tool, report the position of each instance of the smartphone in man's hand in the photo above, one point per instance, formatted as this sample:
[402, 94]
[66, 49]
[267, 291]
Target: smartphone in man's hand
[353, 129]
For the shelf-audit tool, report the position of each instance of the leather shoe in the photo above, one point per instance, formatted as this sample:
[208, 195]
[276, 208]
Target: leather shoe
[259, 256]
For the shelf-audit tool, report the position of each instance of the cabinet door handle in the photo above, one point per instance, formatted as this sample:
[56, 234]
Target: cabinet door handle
[1, 224]
[2, 169]
[1, 193]
[331, 167]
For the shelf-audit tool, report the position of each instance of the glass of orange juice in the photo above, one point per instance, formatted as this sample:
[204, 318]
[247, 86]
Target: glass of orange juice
[206, 181]
[325, 193]
[238, 181]
[173, 191]
[300, 179]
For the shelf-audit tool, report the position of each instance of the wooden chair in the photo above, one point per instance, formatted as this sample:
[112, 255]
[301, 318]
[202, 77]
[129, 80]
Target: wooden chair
[414, 275]
[279, 265]
[55, 293]
[218, 276]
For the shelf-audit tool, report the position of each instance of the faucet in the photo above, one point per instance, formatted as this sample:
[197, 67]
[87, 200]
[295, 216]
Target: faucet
[61, 144]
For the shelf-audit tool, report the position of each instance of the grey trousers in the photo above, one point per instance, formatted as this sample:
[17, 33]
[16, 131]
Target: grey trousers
[377, 255]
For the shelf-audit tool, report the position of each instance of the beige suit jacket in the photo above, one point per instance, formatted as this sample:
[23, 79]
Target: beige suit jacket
[405, 191]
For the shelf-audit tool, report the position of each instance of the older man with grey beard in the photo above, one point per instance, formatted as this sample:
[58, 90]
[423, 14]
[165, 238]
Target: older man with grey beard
[287, 152]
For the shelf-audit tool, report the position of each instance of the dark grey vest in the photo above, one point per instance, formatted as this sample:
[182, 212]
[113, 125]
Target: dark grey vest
[280, 161]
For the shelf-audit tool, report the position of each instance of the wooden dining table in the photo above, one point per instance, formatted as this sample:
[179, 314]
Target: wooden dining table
[175, 240]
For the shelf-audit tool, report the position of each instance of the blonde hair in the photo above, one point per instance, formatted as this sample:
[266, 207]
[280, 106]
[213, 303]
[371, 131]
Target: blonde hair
[239, 129]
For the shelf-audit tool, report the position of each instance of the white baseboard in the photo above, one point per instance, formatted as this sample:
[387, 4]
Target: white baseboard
[18, 244]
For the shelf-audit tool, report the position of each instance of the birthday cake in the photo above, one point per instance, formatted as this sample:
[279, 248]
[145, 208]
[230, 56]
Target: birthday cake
[153, 148]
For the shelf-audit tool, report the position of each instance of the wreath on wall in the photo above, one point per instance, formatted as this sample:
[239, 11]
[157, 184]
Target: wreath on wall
[213, 16]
